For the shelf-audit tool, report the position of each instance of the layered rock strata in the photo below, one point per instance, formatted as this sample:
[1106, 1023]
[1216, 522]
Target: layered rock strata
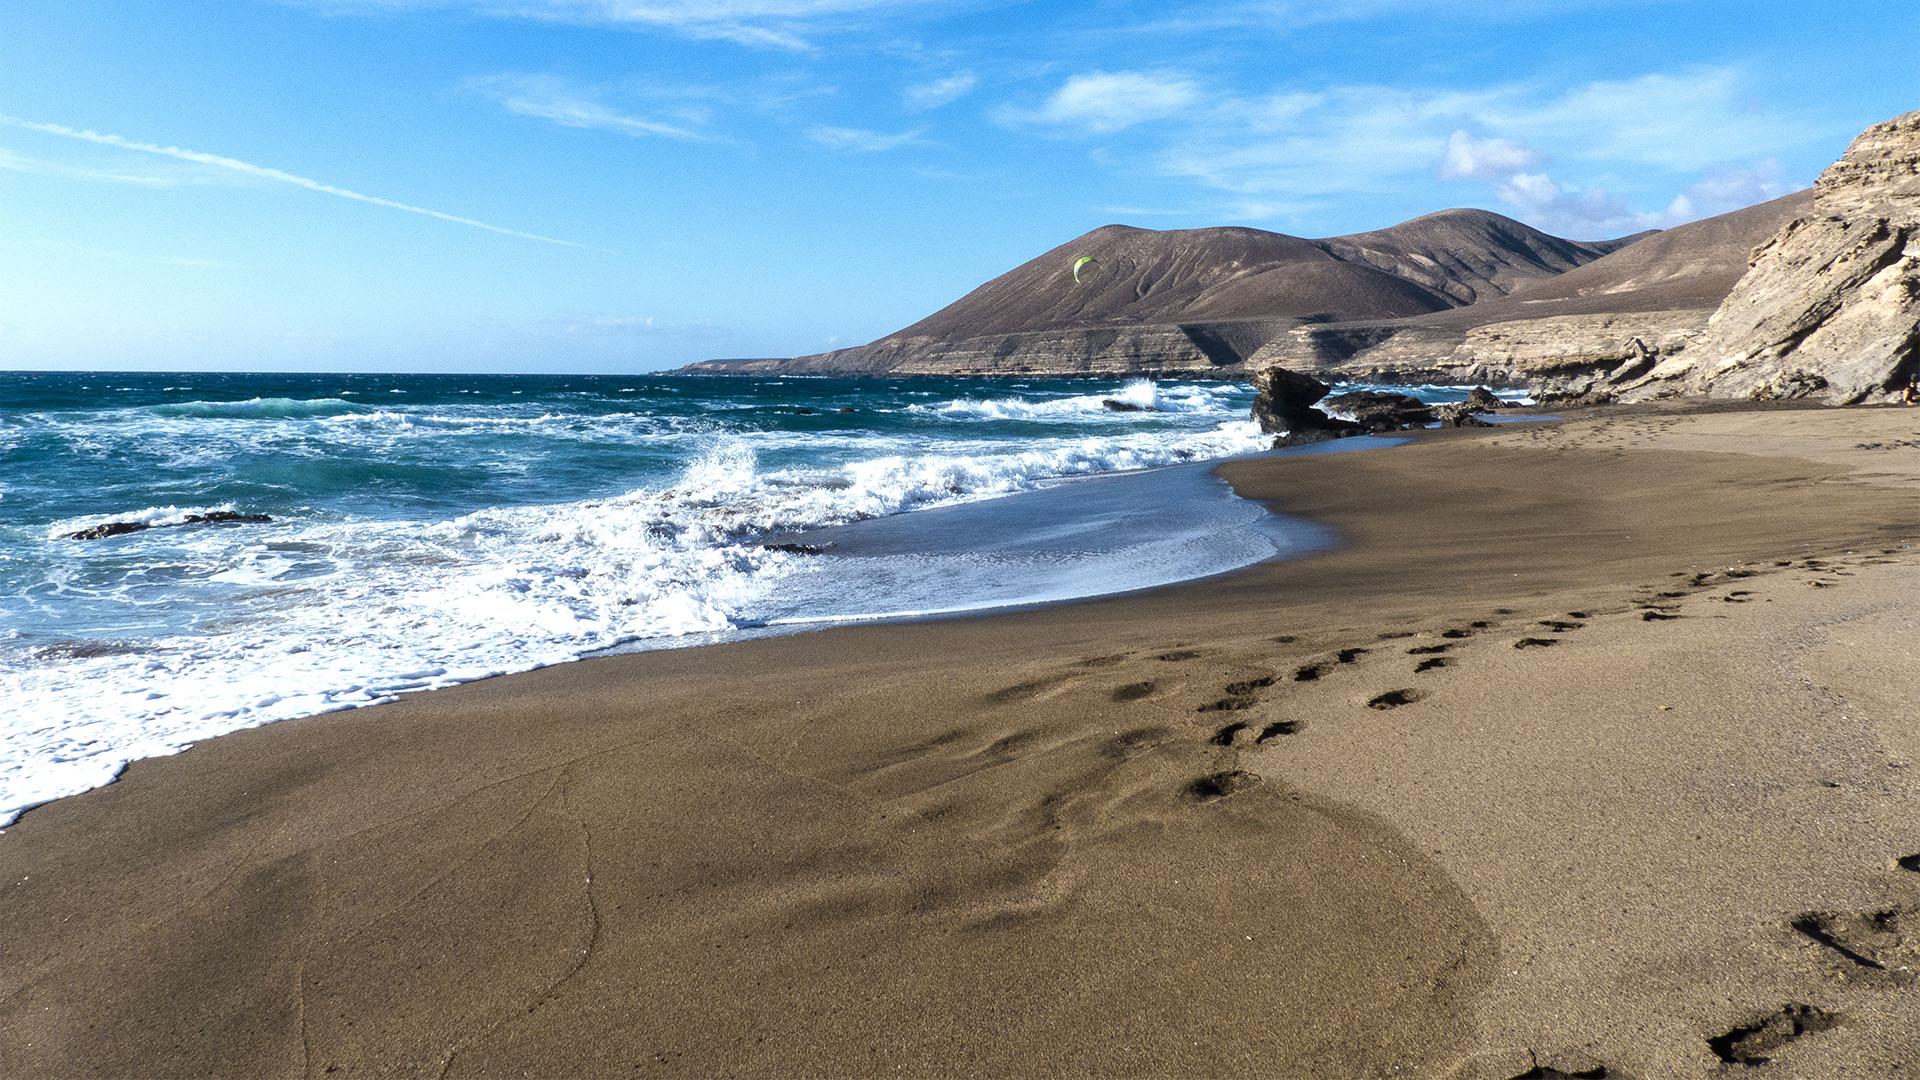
[1831, 306]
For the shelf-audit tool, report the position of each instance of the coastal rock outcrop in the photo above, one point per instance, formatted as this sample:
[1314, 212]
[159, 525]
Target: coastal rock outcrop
[1831, 306]
[1284, 407]
[1378, 410]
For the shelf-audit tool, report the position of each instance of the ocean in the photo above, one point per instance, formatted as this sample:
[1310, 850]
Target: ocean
[287, 544]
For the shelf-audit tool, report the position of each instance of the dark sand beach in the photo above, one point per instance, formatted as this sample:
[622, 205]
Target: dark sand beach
[1589, 752]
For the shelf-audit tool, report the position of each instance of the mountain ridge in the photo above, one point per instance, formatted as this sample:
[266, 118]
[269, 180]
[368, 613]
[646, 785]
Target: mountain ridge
[1200, 301]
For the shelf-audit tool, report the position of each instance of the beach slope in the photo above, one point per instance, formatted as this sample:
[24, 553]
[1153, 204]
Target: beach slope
[1589, 749]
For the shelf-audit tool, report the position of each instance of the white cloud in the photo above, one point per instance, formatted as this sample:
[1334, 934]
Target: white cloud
[262, 172]
[766, 24]
[1617, 142]
[860, 141]
[1104, 102]
[1692, 120]
[546, 98]
[1590, 214]
[932, 95]
[1731, 189]
[1484, 159]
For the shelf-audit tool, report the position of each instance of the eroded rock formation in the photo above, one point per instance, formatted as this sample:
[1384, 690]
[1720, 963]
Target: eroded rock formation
[1831, 306]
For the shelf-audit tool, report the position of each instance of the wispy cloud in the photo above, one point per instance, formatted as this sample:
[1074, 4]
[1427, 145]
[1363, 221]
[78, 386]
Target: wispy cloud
[932, 95]
[1103, 102]
[763, 24]
[21, 163]
[546, 98]
[1484, 159]
[861, 141]
[262, 172]
[1296, 151]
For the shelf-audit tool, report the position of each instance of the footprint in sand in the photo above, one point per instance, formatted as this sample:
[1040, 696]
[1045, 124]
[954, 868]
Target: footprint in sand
[1393, 699]
[1868, 941]
[1429, 650]
[1277, 729]
[1178, 655]
[1534, 643]
[1433, 664]
[1308, 672]
[1228, 704]
[1757, 1041]
[1134, 691]
[1226, 735]
[1221, 785]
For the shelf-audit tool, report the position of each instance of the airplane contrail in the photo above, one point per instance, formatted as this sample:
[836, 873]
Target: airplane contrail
[264, 173]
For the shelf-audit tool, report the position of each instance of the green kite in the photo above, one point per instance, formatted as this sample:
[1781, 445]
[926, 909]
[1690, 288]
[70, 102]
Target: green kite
[1081, 263]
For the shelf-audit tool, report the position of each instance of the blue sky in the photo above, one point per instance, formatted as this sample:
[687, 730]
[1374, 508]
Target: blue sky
[622, 185]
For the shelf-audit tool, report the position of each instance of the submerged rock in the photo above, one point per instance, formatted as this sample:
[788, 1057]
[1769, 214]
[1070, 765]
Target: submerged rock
[1115, 405]
[122, 528]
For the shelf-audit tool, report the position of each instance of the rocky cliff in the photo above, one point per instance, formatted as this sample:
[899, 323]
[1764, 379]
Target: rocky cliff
[1585, 332]
[1826, 306]
[1831, 306]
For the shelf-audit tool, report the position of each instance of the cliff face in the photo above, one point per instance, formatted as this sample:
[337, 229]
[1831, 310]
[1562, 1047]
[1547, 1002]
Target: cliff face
[1200, 301]
[1831, 306]
[1586, 331]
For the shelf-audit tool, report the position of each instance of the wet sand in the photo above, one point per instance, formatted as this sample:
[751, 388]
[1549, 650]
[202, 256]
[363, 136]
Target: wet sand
[1590, 752]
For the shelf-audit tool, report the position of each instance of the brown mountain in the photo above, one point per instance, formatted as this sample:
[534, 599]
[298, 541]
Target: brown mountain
[1202, 300]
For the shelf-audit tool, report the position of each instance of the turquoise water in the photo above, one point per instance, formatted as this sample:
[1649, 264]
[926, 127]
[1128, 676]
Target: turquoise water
[429, 529]
[423, 530]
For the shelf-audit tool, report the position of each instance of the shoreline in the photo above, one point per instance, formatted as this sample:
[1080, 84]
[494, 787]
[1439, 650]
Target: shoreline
[1119, 835]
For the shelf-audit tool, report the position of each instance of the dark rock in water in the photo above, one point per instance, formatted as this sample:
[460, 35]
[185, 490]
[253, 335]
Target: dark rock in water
[803, 411]
[796, 549]
[226, 517]
[1284, 406]
[1481, 399]
[1286, 398]
[1377, 411]
[1112, 405]
[111, 528]
[1460, 414]
[121, 528]
[844, 409]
